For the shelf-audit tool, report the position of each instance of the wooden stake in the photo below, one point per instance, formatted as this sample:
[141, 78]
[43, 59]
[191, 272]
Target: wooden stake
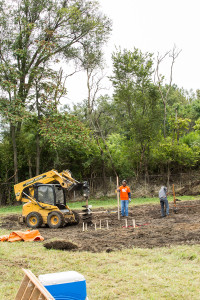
[100, 224]
[83, 226]
[95, 226]
[107, 224]
[174, 197]
[126, 223]
[133, 223]
[118, 204]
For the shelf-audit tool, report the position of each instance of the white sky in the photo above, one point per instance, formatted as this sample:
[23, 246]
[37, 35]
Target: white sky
[152, 26]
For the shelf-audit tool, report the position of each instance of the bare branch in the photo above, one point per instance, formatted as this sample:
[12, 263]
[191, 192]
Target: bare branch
[173, 55]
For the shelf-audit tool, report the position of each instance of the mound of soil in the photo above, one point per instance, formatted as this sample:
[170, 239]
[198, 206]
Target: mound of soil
[60, 245]
[190, 189]
[151, 230]
[10, 222]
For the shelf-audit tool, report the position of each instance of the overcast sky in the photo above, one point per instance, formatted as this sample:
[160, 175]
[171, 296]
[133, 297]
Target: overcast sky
[152, 26]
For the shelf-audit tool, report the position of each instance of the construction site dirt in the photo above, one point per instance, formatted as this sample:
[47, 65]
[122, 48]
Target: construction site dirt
[151, 230]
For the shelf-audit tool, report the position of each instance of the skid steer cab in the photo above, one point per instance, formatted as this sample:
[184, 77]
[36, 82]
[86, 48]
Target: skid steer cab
[45, 202]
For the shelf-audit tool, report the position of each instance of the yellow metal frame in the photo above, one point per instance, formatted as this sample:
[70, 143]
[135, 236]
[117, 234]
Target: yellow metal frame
[31, 205]
[64, 178]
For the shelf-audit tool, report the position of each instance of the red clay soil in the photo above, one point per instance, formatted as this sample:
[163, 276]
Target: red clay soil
[151, 231]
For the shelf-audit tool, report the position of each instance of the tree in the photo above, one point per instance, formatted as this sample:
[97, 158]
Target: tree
[170, 154]
[178, 127]
[37, 33]
[164, 93]
[63, 128]
[92, 63]
[49, 89]
[137, 99]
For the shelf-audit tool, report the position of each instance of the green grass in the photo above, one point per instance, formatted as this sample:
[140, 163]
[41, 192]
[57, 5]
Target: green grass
[103, 202]
[160, 273]
[10, 209]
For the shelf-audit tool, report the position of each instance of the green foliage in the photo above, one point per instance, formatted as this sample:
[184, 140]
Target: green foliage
[64, 129]
[178, 127]
[195, 108]
[192, 139]
[197, 126]
[6, 161]
[169, 151]
[37, 32]
[101, 134]
[120, 151]
[36, 35]
[137, 100]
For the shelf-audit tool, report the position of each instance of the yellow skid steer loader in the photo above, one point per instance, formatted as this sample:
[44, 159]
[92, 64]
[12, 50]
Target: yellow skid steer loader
[45, 199]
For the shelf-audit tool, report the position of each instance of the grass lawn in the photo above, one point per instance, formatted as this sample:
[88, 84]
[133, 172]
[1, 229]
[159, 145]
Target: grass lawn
[159, 273]
[164, 273]
[103, 202]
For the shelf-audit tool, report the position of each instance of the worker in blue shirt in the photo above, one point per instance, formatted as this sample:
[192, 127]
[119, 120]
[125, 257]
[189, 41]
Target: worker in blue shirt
[163, 201]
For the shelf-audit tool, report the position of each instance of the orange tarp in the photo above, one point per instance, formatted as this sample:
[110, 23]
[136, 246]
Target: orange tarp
[28, 235]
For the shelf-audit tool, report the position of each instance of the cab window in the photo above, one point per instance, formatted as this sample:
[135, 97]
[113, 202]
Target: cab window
[59, 195]
[45, 194]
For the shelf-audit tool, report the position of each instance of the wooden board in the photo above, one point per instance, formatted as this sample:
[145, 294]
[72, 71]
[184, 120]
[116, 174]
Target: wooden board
[32, 289]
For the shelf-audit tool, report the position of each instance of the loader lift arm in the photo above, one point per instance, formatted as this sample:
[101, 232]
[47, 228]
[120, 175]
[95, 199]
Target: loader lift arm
[64, 179]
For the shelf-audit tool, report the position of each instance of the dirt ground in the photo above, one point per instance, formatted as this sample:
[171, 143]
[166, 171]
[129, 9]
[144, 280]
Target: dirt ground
[151, 230]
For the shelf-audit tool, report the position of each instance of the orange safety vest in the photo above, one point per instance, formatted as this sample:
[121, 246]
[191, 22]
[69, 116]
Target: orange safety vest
[124, 190]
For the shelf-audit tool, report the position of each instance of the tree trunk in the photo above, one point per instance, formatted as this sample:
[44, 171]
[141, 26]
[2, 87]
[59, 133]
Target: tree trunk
[104, 175]
[30, 168]
[9, 196]
[56, 160]
[37, 154]
[13, 135]
[89, 107]
[1, 197]
[37, 171]
[143, 149]
[168, 174]
[164, 122]
[146, 172]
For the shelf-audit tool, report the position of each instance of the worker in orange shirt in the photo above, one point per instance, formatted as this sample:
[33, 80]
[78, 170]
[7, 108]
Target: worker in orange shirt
[125, 197]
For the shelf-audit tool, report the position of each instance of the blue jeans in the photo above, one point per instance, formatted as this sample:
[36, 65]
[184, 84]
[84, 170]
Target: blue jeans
[164, 203]
[124, 207]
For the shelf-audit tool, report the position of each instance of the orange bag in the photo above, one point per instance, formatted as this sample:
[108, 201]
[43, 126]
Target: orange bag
[27, 236]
